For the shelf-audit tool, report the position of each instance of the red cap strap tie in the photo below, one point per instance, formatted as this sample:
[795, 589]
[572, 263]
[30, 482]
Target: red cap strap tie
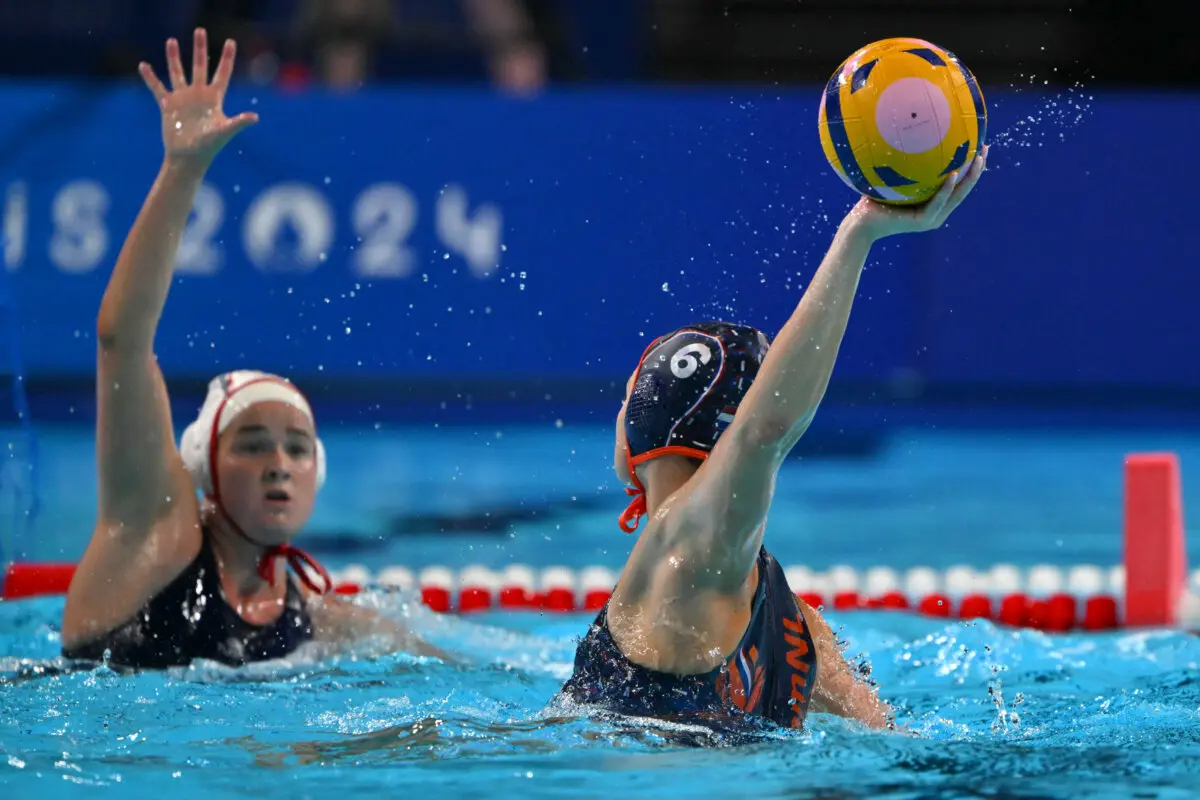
[301, 563]
[631, 517]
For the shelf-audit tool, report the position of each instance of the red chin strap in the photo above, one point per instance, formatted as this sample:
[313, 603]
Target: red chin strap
[631, 517]
[301, 563]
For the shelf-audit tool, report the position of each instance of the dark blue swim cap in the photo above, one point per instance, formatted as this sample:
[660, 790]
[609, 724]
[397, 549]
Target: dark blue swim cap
[685, 393]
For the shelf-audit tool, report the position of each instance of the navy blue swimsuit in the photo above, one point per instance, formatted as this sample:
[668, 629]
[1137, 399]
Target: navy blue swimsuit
[770, 675]
[190, 619]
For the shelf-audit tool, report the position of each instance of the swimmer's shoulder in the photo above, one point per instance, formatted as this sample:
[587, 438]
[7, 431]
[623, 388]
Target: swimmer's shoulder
[814, 620]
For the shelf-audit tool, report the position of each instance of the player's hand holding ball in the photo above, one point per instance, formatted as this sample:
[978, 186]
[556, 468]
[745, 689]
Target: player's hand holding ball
[903, 122]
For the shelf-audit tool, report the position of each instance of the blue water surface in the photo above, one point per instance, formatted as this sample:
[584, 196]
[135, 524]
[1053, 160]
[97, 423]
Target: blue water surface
[988, 712]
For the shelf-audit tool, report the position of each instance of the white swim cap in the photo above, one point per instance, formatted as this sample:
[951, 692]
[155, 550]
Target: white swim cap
[229, 395]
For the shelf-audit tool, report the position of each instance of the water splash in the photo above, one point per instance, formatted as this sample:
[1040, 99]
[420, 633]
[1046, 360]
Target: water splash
[1051, 122]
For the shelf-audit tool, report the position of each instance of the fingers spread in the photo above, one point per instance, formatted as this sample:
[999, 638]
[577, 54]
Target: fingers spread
[225, 66]
[964, 189]
[200, 57]
[243, 120]
[933, 212]
[174, 65]
[152, 82]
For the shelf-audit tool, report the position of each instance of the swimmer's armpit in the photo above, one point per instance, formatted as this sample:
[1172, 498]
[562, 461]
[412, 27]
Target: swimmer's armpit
[839, 689]
[339, 622]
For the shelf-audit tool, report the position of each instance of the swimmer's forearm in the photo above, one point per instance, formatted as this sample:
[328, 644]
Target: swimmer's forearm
[852, 697]
[796, 372]
[137, 290]
[871, 711]
[341, 622]
[777, 409]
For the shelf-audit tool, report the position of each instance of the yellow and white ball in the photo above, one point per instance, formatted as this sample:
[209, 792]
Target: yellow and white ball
[900, 115]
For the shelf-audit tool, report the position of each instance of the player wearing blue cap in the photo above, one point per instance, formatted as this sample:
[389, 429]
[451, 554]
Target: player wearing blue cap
[702, 623]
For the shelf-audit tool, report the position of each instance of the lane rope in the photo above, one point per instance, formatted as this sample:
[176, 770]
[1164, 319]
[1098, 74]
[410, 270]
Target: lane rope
[1152, 588]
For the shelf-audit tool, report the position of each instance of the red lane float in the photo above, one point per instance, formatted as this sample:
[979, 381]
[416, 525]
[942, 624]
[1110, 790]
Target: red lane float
[1149, 589]
[1155, 556]
[33, 579]
[1083, 597]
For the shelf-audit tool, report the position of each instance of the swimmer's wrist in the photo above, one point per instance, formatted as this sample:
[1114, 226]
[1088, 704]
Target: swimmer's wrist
[188, 168]
[858, 229]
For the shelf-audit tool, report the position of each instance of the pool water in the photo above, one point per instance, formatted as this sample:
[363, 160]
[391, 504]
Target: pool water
[991, 712]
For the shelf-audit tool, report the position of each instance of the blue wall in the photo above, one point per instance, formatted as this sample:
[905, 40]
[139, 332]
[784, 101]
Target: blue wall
[327, 245]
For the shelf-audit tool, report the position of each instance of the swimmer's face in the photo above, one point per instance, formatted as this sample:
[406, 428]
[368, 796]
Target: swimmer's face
[267, 469]
[620, 459]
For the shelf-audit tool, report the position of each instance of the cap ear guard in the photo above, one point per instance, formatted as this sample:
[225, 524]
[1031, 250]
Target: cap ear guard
[197, 445]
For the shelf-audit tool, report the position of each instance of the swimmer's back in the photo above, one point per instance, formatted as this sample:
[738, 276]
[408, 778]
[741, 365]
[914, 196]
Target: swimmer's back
[771, 673]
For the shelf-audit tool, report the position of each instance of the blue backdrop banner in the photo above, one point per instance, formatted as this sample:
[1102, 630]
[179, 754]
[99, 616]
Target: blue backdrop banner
[454, 234]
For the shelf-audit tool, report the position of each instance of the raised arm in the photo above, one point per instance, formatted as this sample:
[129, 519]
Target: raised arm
[724, 506]
[147, 528]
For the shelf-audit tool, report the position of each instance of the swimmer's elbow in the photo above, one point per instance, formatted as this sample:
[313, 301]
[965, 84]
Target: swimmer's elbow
[770, 434]
[755, 432]
[120, 330]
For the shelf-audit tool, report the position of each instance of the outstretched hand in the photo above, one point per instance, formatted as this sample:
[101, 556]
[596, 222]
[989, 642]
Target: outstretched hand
[194, 127]
[879, 220]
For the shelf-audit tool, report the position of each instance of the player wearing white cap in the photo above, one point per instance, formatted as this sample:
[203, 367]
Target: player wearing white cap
[169, 575]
